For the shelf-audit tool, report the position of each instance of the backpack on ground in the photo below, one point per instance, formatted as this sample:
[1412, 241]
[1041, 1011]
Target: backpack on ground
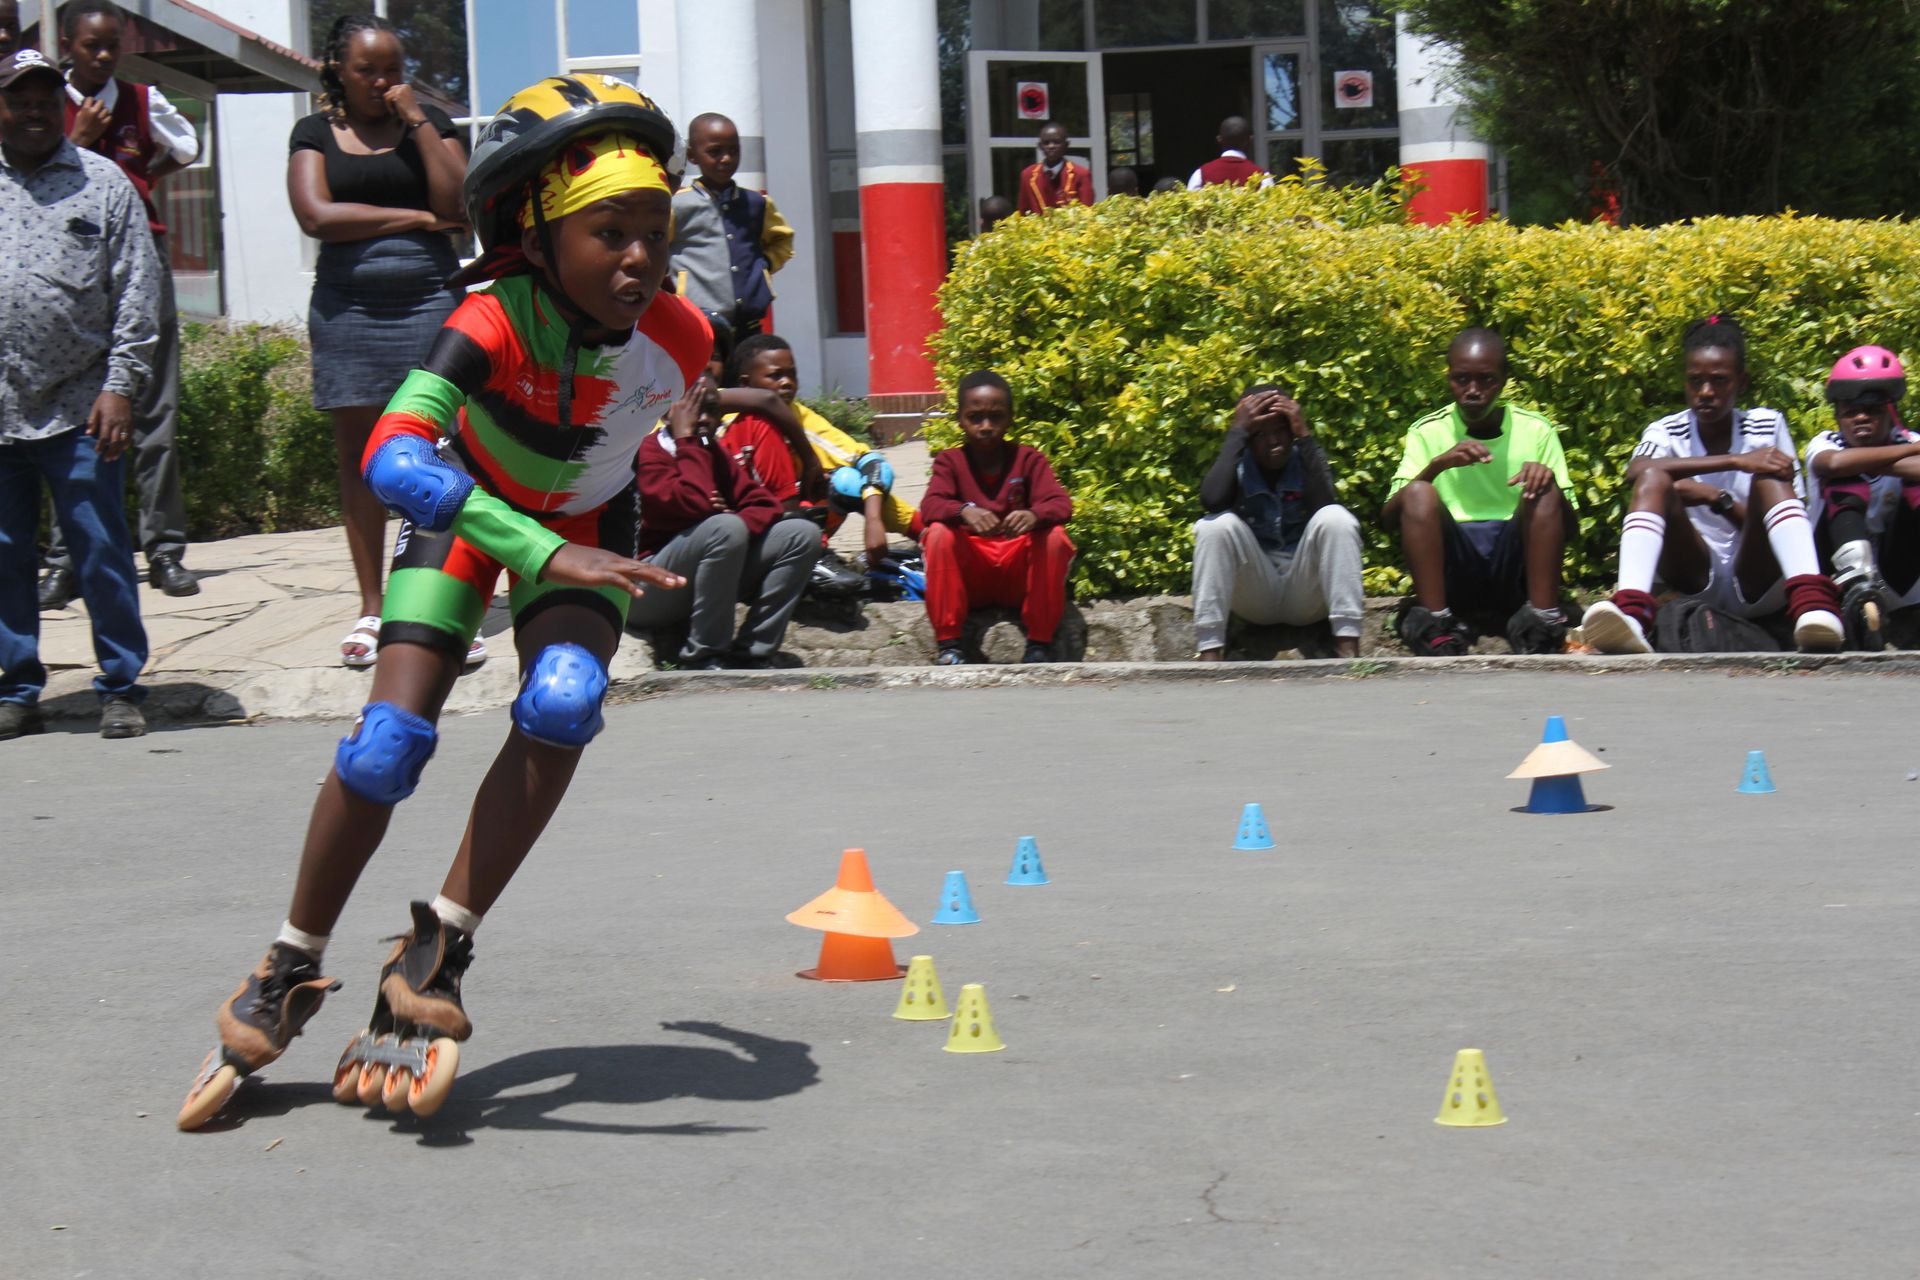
[1694, 626]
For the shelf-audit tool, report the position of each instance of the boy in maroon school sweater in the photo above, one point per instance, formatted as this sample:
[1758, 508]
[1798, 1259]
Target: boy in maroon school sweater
[993, 518]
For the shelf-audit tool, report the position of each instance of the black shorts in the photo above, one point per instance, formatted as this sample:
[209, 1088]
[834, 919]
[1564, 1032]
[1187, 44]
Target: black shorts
[1485, 563]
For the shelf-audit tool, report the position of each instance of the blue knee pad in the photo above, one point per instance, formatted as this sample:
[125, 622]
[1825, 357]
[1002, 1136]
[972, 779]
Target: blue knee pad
[382, 758]
[412, 480]
[559, 704]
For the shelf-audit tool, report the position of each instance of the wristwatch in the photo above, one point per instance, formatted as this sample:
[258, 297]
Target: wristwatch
[1722, 505]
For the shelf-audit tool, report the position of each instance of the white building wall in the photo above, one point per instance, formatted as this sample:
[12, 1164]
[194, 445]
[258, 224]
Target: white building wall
[267, 263]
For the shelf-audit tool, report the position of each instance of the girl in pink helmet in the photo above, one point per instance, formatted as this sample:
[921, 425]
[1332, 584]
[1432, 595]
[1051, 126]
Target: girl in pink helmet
[1863, 483]
[1716, 511]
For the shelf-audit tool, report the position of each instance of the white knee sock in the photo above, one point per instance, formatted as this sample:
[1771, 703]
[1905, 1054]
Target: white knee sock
[1641, 538]
[455, 916]
[314, 944]
[1790, 534]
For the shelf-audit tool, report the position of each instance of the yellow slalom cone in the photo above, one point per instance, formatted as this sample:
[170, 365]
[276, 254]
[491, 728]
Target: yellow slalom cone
[1470, 1102]
[922, 1000]
[972, 1030]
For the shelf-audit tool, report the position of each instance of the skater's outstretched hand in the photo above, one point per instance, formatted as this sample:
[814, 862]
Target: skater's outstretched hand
[576, 566]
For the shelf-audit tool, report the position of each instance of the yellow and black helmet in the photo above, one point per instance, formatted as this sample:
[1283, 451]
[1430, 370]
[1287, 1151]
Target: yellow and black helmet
[538, 121]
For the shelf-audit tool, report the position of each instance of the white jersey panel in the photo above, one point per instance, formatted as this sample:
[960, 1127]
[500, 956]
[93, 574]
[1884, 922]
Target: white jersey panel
[1678, 436]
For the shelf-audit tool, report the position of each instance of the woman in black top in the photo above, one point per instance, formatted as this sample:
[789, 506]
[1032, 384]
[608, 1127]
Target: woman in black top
[376, 179]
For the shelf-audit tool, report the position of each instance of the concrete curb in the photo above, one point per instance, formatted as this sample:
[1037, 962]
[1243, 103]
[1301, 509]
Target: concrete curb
[1059, 673]
[247, 697]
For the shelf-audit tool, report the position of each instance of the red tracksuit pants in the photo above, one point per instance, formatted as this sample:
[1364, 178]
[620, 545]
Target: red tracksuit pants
[965, 572]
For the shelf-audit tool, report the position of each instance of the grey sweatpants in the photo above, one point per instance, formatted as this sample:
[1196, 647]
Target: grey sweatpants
[723, 564]
[1233, 573]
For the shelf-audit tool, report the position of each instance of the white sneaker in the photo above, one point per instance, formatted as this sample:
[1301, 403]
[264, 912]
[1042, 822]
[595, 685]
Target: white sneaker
[1818, 631]
[1607, 628]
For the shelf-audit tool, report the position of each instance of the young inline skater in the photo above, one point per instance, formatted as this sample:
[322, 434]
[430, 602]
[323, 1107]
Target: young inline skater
[512, 447]
[1863, 488]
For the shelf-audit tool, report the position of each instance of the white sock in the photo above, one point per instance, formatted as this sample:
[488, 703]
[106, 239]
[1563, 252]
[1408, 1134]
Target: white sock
[1641, 538]
[314, 944]
[455, 916]
[1790, 534]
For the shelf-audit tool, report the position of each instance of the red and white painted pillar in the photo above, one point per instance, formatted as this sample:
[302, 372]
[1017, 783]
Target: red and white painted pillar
[1438, 147]
[903, 216]
[719, 65]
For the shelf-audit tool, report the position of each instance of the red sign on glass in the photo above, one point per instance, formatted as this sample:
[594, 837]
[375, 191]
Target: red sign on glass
[1033, 100]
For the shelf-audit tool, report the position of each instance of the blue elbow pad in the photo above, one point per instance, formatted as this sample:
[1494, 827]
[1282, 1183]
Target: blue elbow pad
[846, 489]
[412, 480]
[381, 760]
[559, 703]
[877, 471]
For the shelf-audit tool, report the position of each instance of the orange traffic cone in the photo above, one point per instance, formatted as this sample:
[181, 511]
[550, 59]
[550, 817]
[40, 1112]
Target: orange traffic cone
[858, 922]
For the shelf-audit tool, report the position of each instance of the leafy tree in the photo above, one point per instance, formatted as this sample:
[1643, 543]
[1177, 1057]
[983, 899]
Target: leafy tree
[433, 31]
[1694, 107]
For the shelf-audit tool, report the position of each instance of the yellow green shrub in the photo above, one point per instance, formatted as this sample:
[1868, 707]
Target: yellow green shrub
[1128, 331]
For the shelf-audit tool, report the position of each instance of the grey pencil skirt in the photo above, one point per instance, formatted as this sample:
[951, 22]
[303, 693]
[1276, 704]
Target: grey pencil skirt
[376, 307]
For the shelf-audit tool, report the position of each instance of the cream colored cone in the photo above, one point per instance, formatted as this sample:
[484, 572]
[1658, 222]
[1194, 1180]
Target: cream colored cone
[1553, 759]
[972, 1030]
[922, 1000]
[1470, 1102]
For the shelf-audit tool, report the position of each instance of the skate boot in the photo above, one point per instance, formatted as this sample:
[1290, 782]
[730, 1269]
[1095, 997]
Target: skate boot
[1863, 610]
[406, 1058]
[257, 1023]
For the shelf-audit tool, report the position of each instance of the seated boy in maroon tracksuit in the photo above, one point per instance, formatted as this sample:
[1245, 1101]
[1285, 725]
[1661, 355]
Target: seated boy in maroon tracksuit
[716, 526]
[993, 518]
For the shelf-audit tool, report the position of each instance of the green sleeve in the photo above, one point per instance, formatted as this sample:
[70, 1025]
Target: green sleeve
[1418, 454]
[521, 544]
[1554, 457]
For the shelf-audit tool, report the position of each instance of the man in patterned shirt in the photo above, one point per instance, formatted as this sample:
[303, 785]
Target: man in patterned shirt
[79, 305]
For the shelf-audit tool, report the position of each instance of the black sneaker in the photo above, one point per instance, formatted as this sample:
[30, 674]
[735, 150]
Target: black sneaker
[1427, 635]
[120, 718]
[57, 588]
[1037, 652]
[18, 719]
[950, 655]
[1532, 630]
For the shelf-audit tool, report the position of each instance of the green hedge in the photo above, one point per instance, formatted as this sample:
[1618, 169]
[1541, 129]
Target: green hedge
[1129, 329]
[255, 455]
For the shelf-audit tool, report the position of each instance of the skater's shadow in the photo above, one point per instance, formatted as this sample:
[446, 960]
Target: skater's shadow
[526, 1091]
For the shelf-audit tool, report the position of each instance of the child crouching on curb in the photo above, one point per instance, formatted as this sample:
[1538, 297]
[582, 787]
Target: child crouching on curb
[994, 531]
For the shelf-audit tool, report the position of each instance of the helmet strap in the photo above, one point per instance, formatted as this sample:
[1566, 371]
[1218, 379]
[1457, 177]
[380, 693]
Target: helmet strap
[570, 311]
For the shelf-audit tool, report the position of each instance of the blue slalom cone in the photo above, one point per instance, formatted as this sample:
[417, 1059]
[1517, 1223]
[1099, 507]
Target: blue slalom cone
[1556, 730]
[1755, 779]
[1561, 794]
[1026, 864]
[956, 901]
[1253, 832]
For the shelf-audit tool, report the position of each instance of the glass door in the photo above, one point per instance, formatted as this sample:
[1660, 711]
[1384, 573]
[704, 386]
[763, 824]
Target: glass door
[1283, 75]
[1010, 95]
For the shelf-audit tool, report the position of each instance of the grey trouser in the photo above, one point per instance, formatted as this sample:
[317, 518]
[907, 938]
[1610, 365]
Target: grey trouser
[723, 564]
[1233, 573]
[155, 462]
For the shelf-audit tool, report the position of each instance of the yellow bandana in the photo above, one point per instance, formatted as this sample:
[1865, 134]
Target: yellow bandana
[591, 169]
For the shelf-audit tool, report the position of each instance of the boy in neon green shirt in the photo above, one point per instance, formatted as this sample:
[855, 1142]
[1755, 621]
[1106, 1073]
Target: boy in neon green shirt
[1482, 508]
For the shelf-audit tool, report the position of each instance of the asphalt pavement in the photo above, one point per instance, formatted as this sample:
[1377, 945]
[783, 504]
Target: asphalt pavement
[1698, 1007]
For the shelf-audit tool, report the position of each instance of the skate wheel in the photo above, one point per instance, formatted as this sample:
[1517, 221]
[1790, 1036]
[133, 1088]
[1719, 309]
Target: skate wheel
[209, 1095]
[346, 1082]
[373, 1078]
[428, 1092]
[393, 1094]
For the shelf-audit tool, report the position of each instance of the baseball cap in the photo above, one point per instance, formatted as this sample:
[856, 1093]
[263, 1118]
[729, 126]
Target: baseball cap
[25, 62]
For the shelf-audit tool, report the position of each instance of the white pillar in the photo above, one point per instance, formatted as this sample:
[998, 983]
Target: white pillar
[719, 56]
[1438, 146]
[896, 113]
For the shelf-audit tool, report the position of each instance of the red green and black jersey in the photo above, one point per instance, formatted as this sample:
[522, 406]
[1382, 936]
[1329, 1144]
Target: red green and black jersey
[491, 384]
